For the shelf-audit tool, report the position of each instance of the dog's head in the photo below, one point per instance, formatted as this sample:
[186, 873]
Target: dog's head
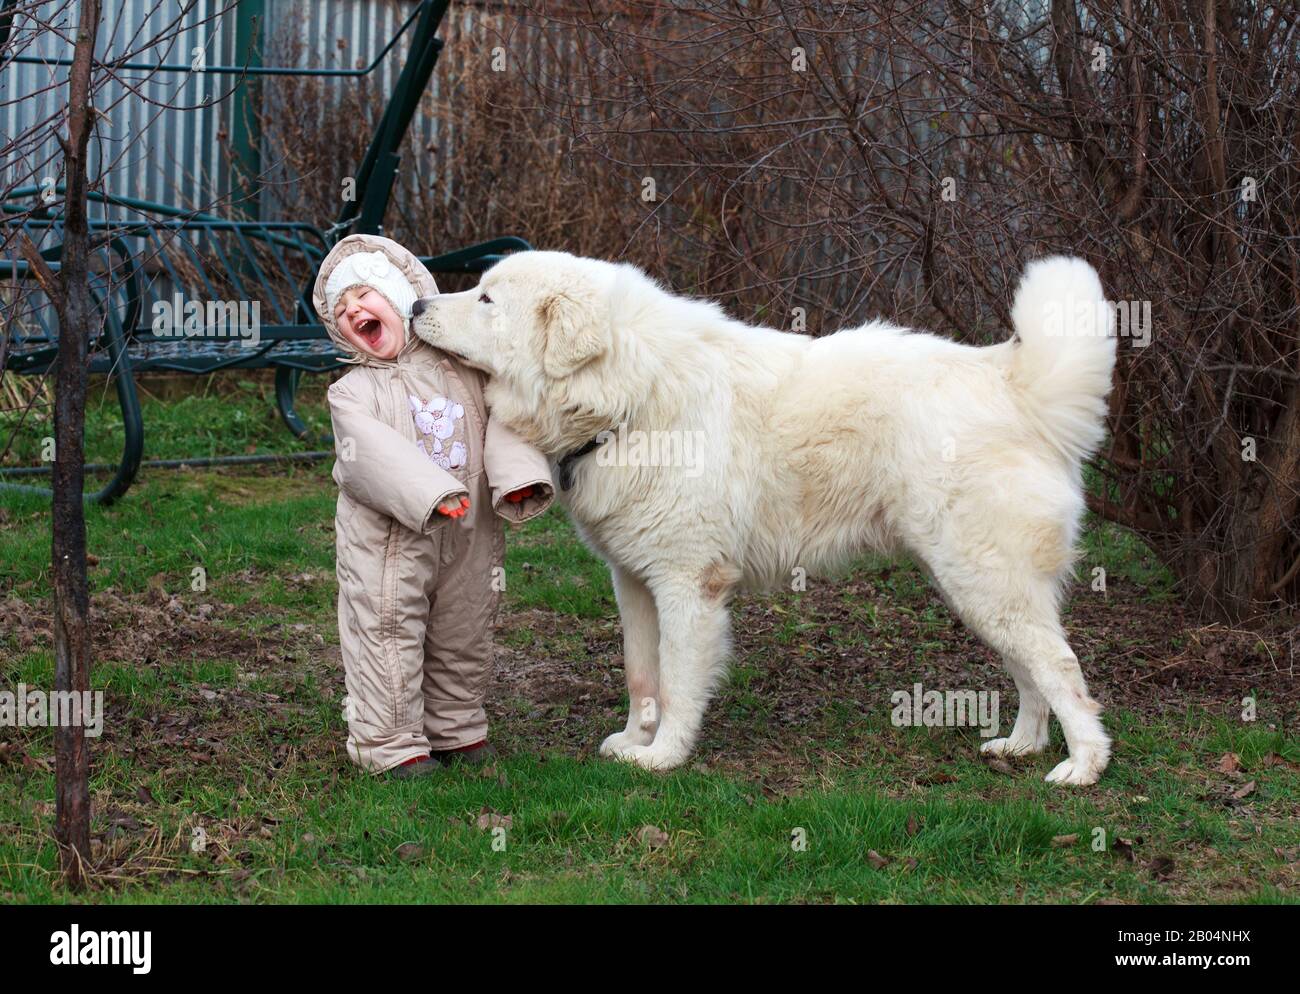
[542, 325]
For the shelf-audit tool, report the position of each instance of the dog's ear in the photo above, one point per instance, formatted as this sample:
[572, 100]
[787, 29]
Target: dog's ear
[574, 332]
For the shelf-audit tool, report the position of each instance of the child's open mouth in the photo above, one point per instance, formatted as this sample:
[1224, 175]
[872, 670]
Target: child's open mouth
[370, 331]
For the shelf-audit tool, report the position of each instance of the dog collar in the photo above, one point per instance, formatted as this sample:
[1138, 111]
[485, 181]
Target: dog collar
[569, 458]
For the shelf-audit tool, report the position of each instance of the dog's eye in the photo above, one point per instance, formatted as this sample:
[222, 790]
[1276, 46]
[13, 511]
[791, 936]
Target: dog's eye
[483, 298]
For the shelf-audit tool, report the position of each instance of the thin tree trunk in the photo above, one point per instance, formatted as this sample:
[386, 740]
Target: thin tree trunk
[78, 320]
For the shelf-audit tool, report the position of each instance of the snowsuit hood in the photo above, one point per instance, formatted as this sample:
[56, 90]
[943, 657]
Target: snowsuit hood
[407, 264]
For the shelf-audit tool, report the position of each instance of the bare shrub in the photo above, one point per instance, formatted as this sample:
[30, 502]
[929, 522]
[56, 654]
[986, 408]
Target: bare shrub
[824, 163]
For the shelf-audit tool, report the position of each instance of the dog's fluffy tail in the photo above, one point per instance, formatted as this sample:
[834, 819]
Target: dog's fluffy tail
[1066, 351]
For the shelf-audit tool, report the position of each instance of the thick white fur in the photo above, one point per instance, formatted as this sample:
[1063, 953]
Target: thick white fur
[815, 451]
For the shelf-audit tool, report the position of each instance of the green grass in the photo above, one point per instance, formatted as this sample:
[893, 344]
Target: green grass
[220, 415]
[575, 834]
[229, 730]
[547, 568]
[1124, 558]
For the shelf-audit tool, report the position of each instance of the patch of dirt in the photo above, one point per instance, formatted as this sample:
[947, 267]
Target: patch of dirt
[1155, 657]
[801, 657]
[1152, 659]
[249, 734]
[541, 703]
[135, 628]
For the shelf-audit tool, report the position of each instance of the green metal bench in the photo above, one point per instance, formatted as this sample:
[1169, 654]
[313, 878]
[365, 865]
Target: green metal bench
[160, 251]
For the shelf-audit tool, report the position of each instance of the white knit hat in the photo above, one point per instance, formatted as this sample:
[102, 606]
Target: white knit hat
[372, 269]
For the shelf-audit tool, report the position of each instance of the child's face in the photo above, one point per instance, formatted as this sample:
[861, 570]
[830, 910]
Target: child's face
[369, 323]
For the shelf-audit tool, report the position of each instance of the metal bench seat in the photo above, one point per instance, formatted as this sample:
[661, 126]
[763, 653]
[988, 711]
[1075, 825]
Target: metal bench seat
[159, 272]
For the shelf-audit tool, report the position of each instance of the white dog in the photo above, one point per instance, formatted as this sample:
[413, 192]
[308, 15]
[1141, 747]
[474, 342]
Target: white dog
[807, 453]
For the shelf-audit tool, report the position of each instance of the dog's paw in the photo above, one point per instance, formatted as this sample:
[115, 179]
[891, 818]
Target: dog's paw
[1011, 746]
[615, 745]
[645, 756]
[1081, 770]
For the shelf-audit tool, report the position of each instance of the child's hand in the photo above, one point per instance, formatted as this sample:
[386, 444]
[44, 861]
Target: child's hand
[453, 507]
[522, 494]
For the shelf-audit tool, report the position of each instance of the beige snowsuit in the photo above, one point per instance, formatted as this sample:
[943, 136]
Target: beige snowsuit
[418, 590]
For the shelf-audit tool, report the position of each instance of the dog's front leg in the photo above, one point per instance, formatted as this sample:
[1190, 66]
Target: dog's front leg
[636, 608]
[694, 639]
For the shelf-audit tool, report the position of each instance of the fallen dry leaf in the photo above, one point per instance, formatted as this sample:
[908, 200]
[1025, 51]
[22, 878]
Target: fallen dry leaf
[1065, 840]
[487, 818]
[651, 836]
[1125, 847]
[1230, 763]
[877, 861]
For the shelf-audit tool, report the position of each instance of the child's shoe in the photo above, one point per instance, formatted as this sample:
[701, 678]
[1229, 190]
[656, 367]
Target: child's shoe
[477, 754]
[417, 766]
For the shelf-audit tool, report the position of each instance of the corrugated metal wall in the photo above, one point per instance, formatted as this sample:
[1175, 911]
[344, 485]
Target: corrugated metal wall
[154, 154]
[182, 156]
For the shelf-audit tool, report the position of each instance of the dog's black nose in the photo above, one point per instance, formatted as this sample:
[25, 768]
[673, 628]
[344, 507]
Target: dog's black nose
[417, 308]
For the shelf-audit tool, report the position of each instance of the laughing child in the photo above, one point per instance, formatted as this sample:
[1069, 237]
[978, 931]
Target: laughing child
[425, 477]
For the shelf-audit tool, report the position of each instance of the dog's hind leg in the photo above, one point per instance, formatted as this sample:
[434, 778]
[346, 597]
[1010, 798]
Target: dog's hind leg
[1055, 671]
[636, 608]
[1030, 733]
[1016, 615]
[694, 642]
